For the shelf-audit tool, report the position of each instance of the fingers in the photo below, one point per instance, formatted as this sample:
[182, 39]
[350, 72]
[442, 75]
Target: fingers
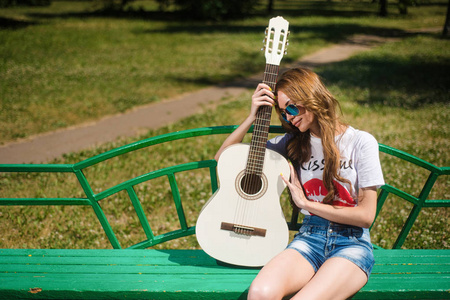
[263, 95]
[294, 176]
[293, 181]
[284, 179]
[295, 187]
[262, 86]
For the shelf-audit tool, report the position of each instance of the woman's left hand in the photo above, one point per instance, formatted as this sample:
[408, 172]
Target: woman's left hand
[298, 196]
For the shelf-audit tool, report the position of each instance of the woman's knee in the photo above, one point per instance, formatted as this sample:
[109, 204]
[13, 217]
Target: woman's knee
[263, 291]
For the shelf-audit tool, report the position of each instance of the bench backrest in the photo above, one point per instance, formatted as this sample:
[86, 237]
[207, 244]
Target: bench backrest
[92, 199]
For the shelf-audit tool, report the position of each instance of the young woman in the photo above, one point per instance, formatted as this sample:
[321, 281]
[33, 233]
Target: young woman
[335, 171]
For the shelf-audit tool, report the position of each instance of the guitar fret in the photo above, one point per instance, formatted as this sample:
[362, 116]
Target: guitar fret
[255, 159]
[261, 142]
[258, 149]
[259, 131]
[257, 156]
[259, 153]
[261, 127]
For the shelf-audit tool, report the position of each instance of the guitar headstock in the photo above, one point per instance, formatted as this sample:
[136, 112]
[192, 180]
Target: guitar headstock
[275, 43]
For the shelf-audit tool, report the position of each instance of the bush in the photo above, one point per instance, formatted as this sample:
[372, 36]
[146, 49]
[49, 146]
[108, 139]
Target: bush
[216, 9]
[7, 3]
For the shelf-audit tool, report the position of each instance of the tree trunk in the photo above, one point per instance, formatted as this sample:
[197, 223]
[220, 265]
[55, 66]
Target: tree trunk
[446, 31]
[270, 7]
[383, 8]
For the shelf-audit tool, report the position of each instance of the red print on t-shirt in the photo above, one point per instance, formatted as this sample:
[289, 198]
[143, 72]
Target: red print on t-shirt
[316, 191]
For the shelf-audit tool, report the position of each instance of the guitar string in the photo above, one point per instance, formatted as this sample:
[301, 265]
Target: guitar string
[256, 154]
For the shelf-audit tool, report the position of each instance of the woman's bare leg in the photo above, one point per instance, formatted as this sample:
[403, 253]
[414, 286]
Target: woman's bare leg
[284, 275]
[337, 278]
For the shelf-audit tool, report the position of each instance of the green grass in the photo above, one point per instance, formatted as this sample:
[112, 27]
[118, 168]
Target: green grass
[68, 64]
[398, 92]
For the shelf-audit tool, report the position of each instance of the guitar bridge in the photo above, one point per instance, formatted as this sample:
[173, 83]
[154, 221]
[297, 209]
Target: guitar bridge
[244, 230]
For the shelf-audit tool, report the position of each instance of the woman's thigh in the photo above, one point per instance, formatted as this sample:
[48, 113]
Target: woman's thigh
[284, 275]
[337, 278]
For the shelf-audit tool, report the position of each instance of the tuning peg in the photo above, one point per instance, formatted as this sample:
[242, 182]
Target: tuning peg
[285, 52]
[263, 48]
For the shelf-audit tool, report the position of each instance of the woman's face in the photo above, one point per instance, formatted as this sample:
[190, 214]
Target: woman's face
[304, 120]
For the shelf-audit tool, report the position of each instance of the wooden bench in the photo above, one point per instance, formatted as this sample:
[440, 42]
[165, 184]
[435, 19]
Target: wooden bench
[137, 272]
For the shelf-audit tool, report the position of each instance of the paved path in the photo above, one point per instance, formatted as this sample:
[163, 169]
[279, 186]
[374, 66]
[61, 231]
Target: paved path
[45, 147]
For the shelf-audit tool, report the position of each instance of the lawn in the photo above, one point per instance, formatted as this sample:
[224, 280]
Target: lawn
[70, 63]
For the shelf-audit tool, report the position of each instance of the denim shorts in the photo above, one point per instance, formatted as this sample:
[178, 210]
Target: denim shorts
[319, 239]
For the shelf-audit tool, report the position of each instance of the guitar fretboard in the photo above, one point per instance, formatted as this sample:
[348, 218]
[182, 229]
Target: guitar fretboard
[255, 161]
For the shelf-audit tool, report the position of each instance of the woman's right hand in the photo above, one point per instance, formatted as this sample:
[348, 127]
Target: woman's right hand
[263, 95]
[294, 185]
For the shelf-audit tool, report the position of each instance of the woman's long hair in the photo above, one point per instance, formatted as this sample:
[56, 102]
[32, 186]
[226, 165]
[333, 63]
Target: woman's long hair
[304, 87]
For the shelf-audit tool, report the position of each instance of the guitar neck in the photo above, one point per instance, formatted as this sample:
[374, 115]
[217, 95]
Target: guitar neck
[261, 127]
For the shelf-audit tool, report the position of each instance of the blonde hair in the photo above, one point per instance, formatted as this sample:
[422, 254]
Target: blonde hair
[305, 87]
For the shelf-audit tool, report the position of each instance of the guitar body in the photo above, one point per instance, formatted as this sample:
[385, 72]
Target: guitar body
[260, 230]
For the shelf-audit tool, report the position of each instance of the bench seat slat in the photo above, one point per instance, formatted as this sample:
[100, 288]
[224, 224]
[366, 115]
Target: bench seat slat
[192, 274]
[119, 269]
[402, 286]
[387, 255]
[121, 284]
[145, 260]
[164, 285]
[392, 258]
[150, 267]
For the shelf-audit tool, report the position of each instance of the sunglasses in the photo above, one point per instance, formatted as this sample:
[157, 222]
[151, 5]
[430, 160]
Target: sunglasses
[292, 110]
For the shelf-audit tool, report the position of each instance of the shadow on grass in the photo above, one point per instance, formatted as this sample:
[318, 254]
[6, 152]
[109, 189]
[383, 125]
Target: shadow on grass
[329, 32]
[9, 23]
[409, 82]
[294, 8]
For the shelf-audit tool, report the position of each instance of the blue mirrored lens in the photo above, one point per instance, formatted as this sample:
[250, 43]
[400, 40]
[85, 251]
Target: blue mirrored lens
[292, 110]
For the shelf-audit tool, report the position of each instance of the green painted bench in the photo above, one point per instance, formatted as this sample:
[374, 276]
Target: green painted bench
[137, 272]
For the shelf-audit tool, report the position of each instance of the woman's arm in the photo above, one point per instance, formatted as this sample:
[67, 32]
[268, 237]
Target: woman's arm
[362, 215]
[262, 96]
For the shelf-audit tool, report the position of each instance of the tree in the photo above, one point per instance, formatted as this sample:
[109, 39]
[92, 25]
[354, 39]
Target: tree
[383, 8]
[270, 7]
[216, 9]
[7, 3]
[446, 31]
[403, 6]
[116, 5]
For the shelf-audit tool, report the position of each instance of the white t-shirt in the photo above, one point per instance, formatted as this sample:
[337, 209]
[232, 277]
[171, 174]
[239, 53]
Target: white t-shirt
[360, 164]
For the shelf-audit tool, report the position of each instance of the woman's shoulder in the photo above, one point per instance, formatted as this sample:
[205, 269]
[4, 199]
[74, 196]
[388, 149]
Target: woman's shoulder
[282, 138]
[279, 143]
[358, 134]
[359, 138]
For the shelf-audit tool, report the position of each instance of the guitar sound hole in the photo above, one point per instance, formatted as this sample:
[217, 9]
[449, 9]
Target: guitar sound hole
[251, 184]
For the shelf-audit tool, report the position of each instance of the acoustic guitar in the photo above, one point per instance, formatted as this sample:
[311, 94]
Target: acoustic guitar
[242, 223]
